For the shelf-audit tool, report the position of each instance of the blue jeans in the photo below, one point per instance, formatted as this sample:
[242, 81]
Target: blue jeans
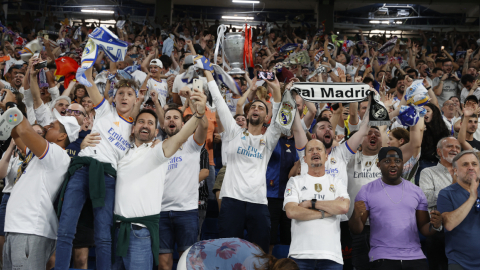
[311, 264]
[76, 194]
[236, 215]
[139, 255]
[3, 211]
[179, 227]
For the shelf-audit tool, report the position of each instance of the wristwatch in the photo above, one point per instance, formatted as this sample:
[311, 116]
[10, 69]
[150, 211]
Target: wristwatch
[313, 203]
[439, 229]
[323, 214]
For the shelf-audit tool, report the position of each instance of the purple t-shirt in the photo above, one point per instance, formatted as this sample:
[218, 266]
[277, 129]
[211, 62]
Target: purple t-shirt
[393, 227]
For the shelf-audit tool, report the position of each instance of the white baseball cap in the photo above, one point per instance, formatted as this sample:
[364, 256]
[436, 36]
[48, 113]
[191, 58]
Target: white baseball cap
[71, 125]
[156, 62]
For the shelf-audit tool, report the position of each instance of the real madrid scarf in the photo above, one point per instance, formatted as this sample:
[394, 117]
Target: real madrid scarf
[286, 113]
[332, 92]
[100, 39]
[378, 113]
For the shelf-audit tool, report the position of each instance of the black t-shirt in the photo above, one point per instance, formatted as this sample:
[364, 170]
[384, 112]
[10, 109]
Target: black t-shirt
[475, 144]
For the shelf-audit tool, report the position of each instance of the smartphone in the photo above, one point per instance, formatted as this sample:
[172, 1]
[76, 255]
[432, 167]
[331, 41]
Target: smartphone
[197, 84]
[41, 65]
[442, 48]
[265, 75]
[37, 55]
[134, 56]
[336, 105]
[45, 37]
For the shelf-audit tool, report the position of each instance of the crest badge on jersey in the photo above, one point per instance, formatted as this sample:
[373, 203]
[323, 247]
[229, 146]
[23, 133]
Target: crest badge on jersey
[333, 161]
[286, 114]
[332, 188]
[288, 192]
[318, 187]
[271, 183]
[262, 142]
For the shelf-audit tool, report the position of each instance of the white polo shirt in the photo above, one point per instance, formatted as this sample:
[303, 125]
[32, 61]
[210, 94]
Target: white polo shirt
[30, 207]
[140, 181]
[181, 182]
[114, 132]
[316, 239]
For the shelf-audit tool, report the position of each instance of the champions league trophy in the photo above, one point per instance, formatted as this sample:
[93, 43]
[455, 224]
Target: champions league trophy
[233, 46]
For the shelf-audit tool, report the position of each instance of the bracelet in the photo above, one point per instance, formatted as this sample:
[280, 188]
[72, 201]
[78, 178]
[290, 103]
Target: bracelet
[330, 71]
[201, 116]
[428, 88]
[10, 104]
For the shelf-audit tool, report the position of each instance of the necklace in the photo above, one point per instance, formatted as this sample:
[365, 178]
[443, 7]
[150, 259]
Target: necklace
[403, 187]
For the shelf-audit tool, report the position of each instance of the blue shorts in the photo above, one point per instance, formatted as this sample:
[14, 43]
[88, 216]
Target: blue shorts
[3, 211]
[180, 227]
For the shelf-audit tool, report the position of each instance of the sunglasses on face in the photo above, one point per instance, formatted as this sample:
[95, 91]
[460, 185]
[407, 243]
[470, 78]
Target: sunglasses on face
[75, 112]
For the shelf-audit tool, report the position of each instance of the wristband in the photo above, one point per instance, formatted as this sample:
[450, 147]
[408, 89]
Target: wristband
[313, 203]
[10, 104]
[428, 88]
[201, 116]
[330, 71]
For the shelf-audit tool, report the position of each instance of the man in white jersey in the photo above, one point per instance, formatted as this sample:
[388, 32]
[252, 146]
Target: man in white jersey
[244, 191]
[315, 202]
[362, 169]
[31, 223]
[179, 217]
[140, 186]
[154, 82]
[93, 172]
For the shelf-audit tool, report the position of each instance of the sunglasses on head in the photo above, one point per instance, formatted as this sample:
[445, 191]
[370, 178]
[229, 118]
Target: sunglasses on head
[74, 112]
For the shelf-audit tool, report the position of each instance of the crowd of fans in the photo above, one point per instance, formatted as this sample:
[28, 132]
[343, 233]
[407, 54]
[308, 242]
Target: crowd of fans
[341, 193]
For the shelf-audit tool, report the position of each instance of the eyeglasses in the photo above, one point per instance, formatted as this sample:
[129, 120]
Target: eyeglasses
[74, 112]
[477, 205]
[149, 105]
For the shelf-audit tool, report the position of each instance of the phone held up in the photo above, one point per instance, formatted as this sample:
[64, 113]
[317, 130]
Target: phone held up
[197, 84]
[265, 75]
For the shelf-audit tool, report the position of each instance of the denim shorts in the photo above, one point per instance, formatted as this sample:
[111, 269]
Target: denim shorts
[3, 211]
[178, 227]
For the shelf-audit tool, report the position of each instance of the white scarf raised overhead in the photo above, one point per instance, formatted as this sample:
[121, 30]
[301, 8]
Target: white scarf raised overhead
[100, 39]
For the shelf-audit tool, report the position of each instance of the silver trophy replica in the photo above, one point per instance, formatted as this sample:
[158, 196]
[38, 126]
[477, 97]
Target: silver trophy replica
[233, 46]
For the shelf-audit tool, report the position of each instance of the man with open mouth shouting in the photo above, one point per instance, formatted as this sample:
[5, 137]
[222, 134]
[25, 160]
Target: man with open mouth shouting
[397, 210]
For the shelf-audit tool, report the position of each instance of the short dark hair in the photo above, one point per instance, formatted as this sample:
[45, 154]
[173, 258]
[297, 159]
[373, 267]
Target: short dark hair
[347, 57]
[257, 100]
[147, 111]
[176, 109]
[320, 119]
[367, 80]
[237, 115]
[436, 69]
[413, 71]
[467, 78]
[166, 61]
[63, 130]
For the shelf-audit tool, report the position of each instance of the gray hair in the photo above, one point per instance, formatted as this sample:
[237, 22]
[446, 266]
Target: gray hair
[52, 105]
[461, 154]
[440, 142]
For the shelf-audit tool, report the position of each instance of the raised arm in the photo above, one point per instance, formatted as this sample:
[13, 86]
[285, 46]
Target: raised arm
[158, 107]
[195, 122]
[467, 113]
[34, 88]
[223, 110]
[413, 146]
[67, 91]
[93, 92]
[452, 219]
